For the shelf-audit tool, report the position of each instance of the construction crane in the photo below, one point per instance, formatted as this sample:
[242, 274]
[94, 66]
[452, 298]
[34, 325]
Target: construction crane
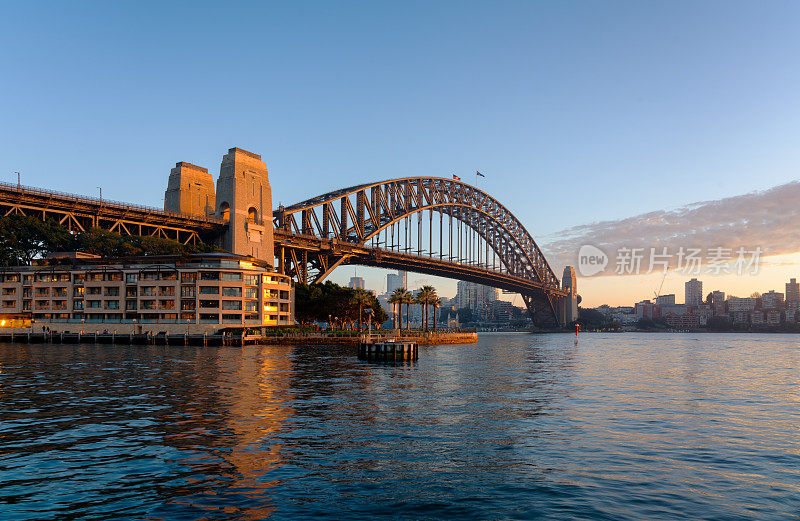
[658, 293]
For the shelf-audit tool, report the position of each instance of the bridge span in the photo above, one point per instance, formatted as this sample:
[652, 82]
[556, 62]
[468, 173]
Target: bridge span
[430, 225]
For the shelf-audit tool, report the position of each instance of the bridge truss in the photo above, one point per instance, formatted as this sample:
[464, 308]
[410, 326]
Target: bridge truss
[78, 213]
[427, 225]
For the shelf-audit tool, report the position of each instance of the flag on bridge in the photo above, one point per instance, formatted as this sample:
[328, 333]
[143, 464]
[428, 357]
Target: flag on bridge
[480, 174]
[456, 177]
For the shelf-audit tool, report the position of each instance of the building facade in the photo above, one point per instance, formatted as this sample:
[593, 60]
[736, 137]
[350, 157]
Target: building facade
[215, 289]
[356, 283]
[693, 292]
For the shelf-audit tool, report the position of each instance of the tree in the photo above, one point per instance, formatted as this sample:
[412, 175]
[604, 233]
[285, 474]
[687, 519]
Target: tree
[436, 303]
[590, 318]
[465, 315]
[424, 297]
[406, 298]
[396, 300]
[361, 299]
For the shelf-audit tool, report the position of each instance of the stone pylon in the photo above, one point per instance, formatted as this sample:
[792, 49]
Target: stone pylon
[244, 200]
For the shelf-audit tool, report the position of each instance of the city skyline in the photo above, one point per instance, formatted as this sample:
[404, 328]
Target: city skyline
[616, 100]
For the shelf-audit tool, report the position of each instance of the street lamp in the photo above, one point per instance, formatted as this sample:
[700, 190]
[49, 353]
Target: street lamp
[18, 186]
[101, 192]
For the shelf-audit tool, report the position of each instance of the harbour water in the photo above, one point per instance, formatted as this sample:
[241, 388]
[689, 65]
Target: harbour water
[516, 426]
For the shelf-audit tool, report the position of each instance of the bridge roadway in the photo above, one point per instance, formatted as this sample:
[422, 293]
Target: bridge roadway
[382, 258]
[79, 213]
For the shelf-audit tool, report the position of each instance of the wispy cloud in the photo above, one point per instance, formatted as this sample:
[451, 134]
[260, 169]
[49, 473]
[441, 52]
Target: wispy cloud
[767, 219]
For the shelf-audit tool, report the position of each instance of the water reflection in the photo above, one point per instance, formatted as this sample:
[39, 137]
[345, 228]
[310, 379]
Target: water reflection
[516, 426]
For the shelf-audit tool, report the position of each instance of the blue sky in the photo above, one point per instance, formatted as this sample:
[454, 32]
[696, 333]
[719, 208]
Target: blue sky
[575, 111]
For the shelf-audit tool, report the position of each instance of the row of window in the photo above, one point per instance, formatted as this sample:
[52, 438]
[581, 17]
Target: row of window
[131, 278]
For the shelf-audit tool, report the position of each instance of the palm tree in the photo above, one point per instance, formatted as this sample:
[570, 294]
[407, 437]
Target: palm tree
[425, 297]
[395, 300]
[407, 299]
[436, 303]
[419, 299]
[361, 298]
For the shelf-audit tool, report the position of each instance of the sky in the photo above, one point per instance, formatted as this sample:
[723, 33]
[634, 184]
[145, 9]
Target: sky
[586, 117]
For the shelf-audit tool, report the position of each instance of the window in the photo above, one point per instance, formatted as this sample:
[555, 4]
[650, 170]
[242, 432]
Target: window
[251, 316]
[284, 295]
[131, 278]
[188, 277]
[251, 305]
[43, 277]
[225, 211]
[77, 304]
[9, 291]
[166, 291]
[93, 303]
[232, 277]
[42, 292]
[77, 291]
[149, 275]
[79, 277]
[209, 275]
[12, 278]
[60, 292]
[209, 318]
[252, 215]
[187, 305]
[148, 304]
[230, 318]
[93, 290]
[131, 292]
[114, 276]
[169, 275]
[27, 278]
[148, 290]
[94, 277]
[209, 303]
[209, 290]
[112, 292]
[187, 291]
[9, 303]
[112, 304]
[234, 305]
[231, 292]
[26, 305]
[266, 278]
[251, 280]
[130, 304]
[167, 304]
[251, 292]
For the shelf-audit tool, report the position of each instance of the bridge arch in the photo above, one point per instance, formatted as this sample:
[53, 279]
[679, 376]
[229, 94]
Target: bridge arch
[341, 227]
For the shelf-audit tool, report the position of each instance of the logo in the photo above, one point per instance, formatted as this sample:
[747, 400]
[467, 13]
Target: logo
[591, 260]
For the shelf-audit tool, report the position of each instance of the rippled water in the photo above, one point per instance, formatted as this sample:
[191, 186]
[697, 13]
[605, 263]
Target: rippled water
[517, 426]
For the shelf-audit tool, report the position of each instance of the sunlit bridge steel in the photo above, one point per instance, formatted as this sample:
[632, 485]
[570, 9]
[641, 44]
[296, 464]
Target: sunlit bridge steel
[428, 225]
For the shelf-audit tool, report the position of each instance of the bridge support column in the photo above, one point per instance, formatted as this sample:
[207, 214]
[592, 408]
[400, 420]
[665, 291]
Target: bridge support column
[244, 199]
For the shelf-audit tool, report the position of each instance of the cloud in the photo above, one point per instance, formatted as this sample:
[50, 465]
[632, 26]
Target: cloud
[767, 219]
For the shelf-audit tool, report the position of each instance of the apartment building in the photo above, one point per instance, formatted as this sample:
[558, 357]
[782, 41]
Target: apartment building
[218, 288]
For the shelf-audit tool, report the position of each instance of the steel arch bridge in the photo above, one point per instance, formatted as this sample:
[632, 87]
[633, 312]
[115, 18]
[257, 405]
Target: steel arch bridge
[427, 225]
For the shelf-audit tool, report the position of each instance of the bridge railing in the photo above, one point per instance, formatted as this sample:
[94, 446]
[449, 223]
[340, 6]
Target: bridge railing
[23, 189]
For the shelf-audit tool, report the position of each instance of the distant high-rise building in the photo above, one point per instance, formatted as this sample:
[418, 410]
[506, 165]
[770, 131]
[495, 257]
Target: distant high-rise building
[792, 291]
[666, 300]
[694, 292]
[772, 300]
[475, 296]
[357, 282]
[394, 281]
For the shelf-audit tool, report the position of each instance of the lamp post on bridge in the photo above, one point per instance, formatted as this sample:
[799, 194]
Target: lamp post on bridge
[18, 183]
